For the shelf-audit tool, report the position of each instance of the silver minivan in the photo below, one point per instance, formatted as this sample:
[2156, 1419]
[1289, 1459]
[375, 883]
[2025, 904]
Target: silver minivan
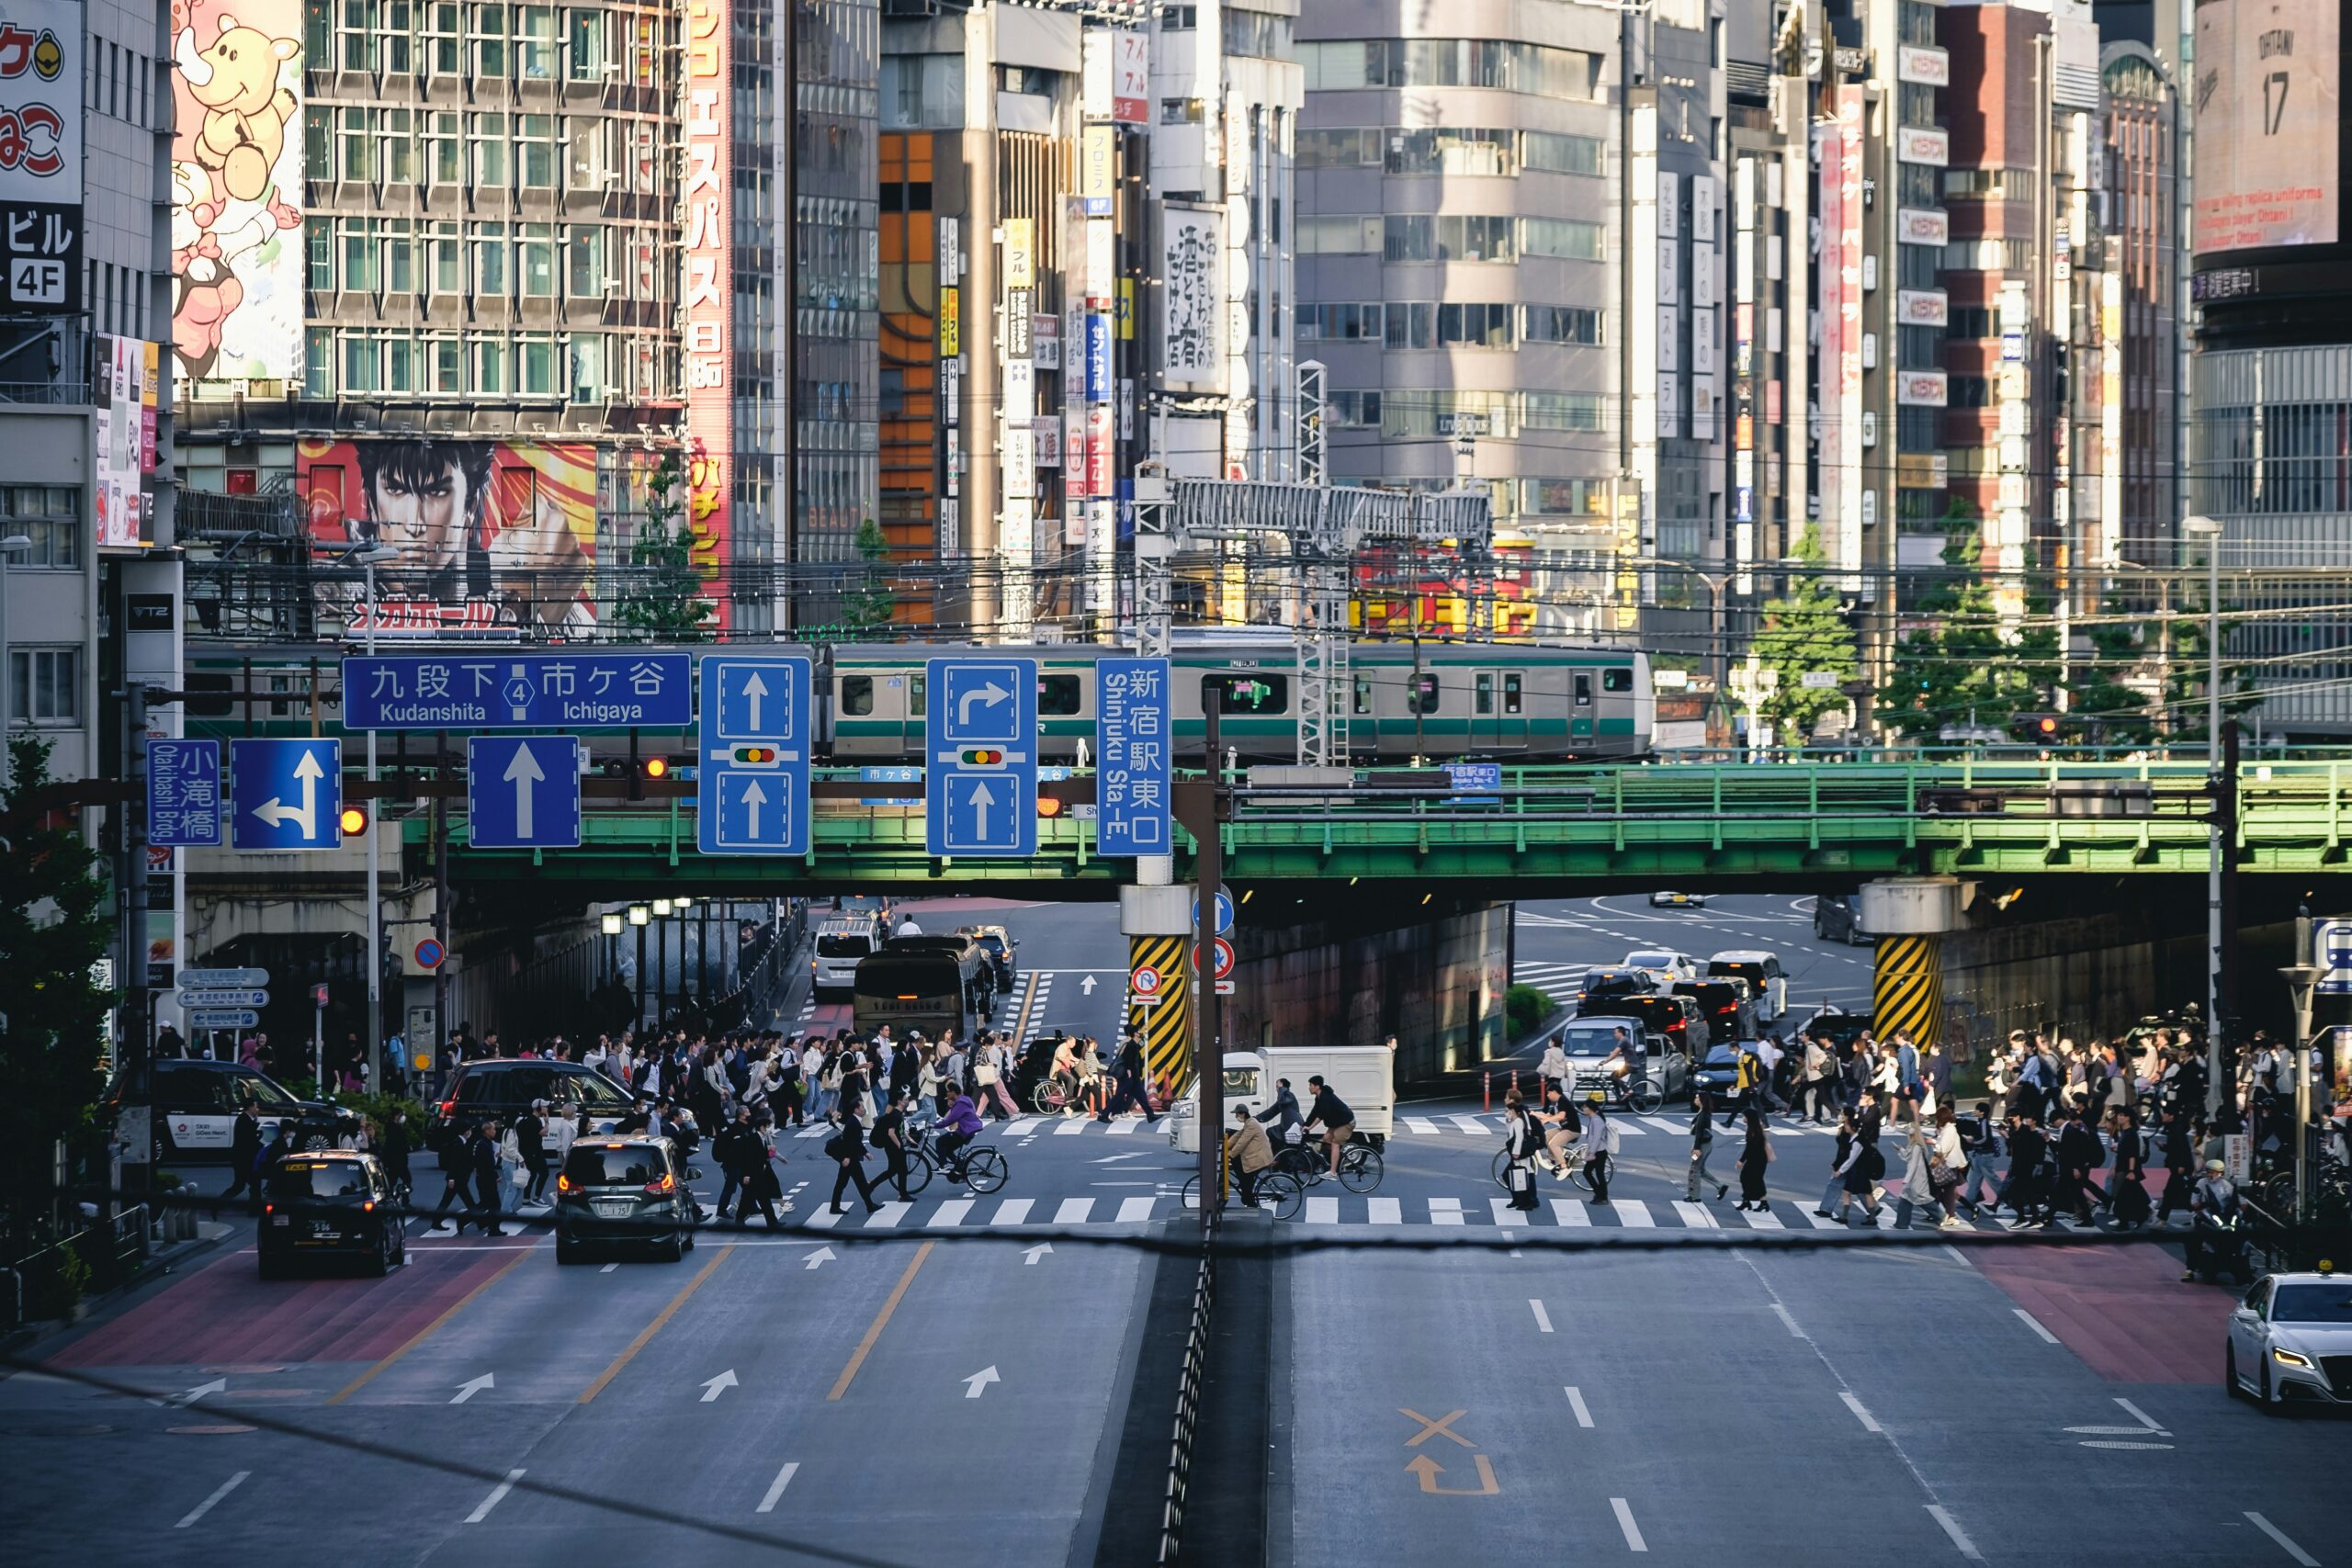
[839, 944]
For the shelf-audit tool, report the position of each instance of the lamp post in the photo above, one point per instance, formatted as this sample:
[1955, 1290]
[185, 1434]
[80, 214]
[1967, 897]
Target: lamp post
[662, 907]
[14, 545]
[612, 928]
[368, 560]
[2210, 531]
[638, 914]
[2301, 979]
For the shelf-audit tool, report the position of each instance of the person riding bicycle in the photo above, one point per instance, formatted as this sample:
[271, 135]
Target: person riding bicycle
[1626, 1062]
[1331, 1113]
[957, 1127]
[1283, 1114]
[1065, 1070]
[1250, 1154]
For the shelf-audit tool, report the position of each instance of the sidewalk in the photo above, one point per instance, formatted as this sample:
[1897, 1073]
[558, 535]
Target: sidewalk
[172, 1256]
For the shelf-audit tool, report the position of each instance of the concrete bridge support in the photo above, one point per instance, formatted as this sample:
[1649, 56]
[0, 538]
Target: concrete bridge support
[1156, 922]
[1909, 915]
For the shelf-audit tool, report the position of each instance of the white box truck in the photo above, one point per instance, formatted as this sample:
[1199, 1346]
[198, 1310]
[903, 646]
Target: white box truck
[1363, 1076]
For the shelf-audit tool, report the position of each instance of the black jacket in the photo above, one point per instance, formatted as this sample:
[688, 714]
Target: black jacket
[482, 1162]
[2079, 1149]
[737, 1148]
[245, 1146]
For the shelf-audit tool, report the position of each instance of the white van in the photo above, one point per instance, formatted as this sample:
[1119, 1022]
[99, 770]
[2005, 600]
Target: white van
[839, 944]
[1766, 980]
[1363, 1076]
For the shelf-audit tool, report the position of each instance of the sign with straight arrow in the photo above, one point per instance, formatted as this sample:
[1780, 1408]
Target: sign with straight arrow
[522, 792]
[752, 783]
[980, 754]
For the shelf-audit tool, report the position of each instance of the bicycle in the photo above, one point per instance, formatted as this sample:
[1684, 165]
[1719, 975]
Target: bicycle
[1279, 1193]
[981, 1167]
[1051, 1096]
[1361, 1165]
[1576, 1178]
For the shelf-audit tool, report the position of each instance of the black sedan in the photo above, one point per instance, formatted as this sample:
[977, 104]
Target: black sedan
[330, 1204]
[1719, 1074]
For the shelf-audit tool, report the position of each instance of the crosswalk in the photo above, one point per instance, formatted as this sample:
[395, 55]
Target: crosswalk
[1432, 1124]
[1559, 981]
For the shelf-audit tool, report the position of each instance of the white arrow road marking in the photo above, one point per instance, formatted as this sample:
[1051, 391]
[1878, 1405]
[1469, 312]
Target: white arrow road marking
[523, 773]
[983, 802]
[189, 1396]
[755, 688]
[712, 1388]
[754, 798]
[823, 1254]
[987, 696]
[978, 1380]
[274, 812]
[1030, 1256]
[1086, 987]
[775, 1488]
[468, 1388]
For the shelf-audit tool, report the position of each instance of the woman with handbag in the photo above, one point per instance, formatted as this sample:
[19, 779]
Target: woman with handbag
[1948, 1168]
[1755, 1156]
[1520, 1143]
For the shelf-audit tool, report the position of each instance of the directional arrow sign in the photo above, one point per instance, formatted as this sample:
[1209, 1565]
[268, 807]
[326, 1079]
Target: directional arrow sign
[751, 792]
[188, 999]
[978, 1380]
[522, 792]
[712, 1388]
[222, 1018]
[189, 1396]
[286, 794]
[823, 1254]
[199, 979]
[981, 755]
[472, 1386]
[1031, 1253]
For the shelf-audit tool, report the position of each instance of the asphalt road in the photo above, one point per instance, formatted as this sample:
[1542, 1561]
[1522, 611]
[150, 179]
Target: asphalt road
[1556, 941]
[931, 1383]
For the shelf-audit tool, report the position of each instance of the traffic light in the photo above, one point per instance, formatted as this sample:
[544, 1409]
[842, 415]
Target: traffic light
[980, 757]
[657, 767]
[2039, 728]
[755, 756]
[353, 821]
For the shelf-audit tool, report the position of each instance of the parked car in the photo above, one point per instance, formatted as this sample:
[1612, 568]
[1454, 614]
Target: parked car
[1837, 917]
[335, 1203]
[192, 1108]
[623, 1192]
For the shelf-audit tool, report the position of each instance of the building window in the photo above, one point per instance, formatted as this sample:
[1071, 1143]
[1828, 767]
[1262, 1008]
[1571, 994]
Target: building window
[400, 365]
[490, 365]
[587, 353]
[490, 151]
[317, 361]
[586, 251]
[1353, 148]
[538, 261]
[399, 256]
[1339, 323]
[1568, 238]
[1449, 151]
[535, 365]
[1344, 235]
[444, 356]
[360, 367]
[396, 163]
[535, 43]
[491, 279]
[1407, 238]
[45, 686]
[538, 152]
[447, 166]
[489, 42]
[1512, 67]
[317, 234]
[1562, 410]
[1411, 326]
[51, 517]
[448, 260]
[358, 156]
[1477, 326]
[1179, 111]
[359, 255]
[1476, 237]
[1561, 323]
[1560, 155]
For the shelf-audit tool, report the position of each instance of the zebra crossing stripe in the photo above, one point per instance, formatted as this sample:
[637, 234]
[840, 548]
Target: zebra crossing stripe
[1322, 1211]
[1133, 1209]
[1073, 1211]
[892, 1213]
[952, 1211]
[1820, 1223]
[1469, 1124]
[1386, 1210]
[1123, 1125]
[1443, 1211]
[1571, 1212]
[1012, 1212]
[1507, 1215]
[823, 1220]
[1764, 1219]
[1635, 1214]
[1070, 1126]
[1695, 1216]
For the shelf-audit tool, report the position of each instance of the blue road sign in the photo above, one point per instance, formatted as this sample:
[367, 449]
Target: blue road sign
[223, 1018]
[980, 753]
[522, 792]
[2332, 950]
[1484, 779]
[286, 795]
[1131, 755]
[183, 792]
[518, 691]
[753, 789]
[1223, 912]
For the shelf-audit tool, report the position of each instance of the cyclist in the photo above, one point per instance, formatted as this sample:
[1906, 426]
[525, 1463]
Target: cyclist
[1065, 1072]
[1283, 1114]
[1562, 1128]
[957, 1127]
[1250, 1154]
[1331, 1113]
[1626, 1061]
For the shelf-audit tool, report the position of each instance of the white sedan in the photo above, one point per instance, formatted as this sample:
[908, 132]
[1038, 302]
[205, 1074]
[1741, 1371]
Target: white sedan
[2290, 1338]
[1671, 968]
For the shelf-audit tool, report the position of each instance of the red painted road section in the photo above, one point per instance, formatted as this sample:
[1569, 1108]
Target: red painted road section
[2122, 1309]
[224, 1314]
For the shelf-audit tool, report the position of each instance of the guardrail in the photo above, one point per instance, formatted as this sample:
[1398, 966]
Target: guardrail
[1190, 1380]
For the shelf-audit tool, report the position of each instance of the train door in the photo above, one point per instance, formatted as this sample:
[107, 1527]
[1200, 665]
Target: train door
[1581, 728]
[1498, 710]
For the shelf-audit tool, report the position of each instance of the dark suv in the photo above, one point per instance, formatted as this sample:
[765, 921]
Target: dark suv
[192, 1108]
[1676, 1017]
[1837, 917]
[998, 943]
[335, 1204]
[623, 1192]
[1725, 1004]
[505, 1087]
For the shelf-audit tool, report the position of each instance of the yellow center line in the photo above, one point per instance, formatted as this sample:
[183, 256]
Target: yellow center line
[430, 1329]
[646, 1333]
[874, 1329]
[1028, 1001]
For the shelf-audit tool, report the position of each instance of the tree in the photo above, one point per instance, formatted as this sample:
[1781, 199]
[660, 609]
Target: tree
[2105, 707]
[1805, 629]
[662, 597]
[1966, 663]
[870, 603]
[55, 926]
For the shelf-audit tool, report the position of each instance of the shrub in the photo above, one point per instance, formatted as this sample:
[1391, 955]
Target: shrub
[1526, 1007]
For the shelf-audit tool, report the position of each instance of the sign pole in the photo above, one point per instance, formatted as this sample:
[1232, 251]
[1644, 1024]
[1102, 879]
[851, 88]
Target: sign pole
[375, 958]
[1201, 807]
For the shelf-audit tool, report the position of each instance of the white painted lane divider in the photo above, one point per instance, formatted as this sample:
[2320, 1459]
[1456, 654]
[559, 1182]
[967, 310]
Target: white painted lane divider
[239, 1479]
[1633, 1542]
[775, 1488]
[1869, 1423]
[2303, 1558]
[1959, 1536]
[1575, 1404]
[497, 1495]
[2035, 1323]
[1785, 1316]
[1543, 1318]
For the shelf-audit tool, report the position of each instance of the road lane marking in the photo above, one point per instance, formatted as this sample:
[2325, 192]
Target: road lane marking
[1960, 1536]
[1071, 1126]
[1507, 1215]
[825, 1218]
[1012, 1212]
[1576, 1403]
[1869, 1423]
[1322, 1211]
[1441, 1427]
[1571, 1212]
[1386, 1210]
[1420, 1126]
[1543, 1318]
[1625, 1522]
[891, 1213]
[644, 1336]
[1764, 1219]
[874, 1329]
[429, 1330]
[1073, 1211]
[1021, 1126]
[1821, 1222]
[1695, 1216]
[2142, 1417]
[952, 1211]
[1028, 1001]
[230, 1485]
[1121, 1126]
[2264, 1526]
[497, 1495]
[1470, 1125]
[1634, 1214]
[1133, 1209]
[608, 1268]
[1445, 1211]
[1663, 1125]
[1786, 1317]
[2035, 1323]
[775, 1488]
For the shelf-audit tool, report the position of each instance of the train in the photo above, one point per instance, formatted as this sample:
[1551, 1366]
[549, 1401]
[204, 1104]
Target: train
[1494, 701]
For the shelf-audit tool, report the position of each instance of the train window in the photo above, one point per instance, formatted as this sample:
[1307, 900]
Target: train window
[1424, 694]
[916, 688]
[1363, 693]
[1616, 679]
[857, 694]
[1252, 695]
[1484, 686]
[1583, 690]
[1511, 696]
[1057, 694]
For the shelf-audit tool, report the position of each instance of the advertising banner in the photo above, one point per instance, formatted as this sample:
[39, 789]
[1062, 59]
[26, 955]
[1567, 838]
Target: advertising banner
[43, 60]
[119, 374]
[492, 535]
[2269, 113]
[237, 190]
[1192, 313]
[1097, 164]
[708, 300]
[1130, 77]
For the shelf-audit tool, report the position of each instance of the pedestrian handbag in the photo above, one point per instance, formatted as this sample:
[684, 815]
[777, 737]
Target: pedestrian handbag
[1522, 1180]
[837, 1146]
[985, 1074]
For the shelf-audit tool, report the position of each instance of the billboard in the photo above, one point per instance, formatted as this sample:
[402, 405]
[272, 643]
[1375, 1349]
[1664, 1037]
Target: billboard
[492, 535]
[237, 190]
[707, 299]
[1192, 299]
[2267, 112]
[42, 62]
[122, 440]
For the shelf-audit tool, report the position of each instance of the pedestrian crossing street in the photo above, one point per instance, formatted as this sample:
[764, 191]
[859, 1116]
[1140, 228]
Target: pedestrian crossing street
[1442, 1125]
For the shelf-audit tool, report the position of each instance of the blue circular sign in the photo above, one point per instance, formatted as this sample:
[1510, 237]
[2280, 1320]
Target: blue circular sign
[429, 954]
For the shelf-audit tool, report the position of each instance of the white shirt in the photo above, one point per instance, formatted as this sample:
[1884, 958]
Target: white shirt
[908, 927]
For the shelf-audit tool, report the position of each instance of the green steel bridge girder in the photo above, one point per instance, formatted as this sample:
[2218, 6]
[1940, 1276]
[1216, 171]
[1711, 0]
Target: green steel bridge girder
[1687, 824]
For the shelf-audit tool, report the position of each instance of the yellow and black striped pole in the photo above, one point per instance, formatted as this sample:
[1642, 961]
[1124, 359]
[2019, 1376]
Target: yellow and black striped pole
[1166, 1025]
[1907, 987]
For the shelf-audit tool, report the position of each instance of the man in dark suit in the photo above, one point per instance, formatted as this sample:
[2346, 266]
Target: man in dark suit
[245, 1149]
[848, 1149]
[481, 1165]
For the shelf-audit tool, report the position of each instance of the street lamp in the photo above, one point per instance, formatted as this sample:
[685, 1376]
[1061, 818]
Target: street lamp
[368, 560]
[2209, 530]
[14, 545]
[611, 923]
[637, 915]
[2301, 979]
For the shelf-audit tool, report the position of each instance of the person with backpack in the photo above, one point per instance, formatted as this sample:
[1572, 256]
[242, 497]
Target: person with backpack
[2079, 1153]
[847, 1148]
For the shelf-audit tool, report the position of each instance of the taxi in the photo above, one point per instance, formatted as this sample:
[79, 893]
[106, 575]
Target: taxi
[2290, 1340]
[331, 1203]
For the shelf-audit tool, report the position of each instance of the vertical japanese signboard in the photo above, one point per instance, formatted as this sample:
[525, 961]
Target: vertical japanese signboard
[1130, 78]
[1192, 306]
[708, 296]
[1096, 165]
[42, 63]
[1131, 756]
[1841, 326]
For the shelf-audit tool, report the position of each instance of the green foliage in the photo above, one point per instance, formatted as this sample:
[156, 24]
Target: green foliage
[55, 1280]
[56, 923]
[1967, 663]
[661, 598]
[378, 1109]
[870, 603]
[1526, 1007]
[1805, 629]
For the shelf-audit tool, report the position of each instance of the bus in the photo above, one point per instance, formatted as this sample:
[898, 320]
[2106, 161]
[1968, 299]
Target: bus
[909, 991]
